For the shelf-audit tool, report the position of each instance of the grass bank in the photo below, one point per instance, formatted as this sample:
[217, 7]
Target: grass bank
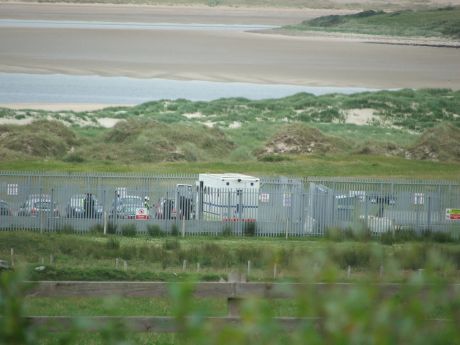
[441, 22]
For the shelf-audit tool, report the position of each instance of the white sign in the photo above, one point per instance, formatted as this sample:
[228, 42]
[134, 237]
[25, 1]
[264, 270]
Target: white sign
[264, 197]
[12, 189]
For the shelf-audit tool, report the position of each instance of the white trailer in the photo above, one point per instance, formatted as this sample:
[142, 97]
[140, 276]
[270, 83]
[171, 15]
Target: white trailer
[228, 197]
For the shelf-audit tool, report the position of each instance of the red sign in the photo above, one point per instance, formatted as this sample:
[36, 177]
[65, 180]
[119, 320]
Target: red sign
[453, 214]
[141, 213]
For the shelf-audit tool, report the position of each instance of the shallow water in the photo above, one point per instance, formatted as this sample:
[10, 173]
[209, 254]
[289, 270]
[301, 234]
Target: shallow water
[60, 88]
[74, 24]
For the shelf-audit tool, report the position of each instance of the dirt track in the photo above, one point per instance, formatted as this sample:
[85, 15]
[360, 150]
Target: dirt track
[216, 55]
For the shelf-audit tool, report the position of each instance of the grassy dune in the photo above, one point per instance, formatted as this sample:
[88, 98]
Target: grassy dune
[442, 22]
[404, 133]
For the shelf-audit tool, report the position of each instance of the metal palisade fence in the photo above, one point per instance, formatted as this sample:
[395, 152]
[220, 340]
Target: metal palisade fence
[190, 205]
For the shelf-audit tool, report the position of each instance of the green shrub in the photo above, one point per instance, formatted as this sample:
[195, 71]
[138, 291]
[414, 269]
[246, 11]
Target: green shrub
[154, 230]
[174, 230]
[66, 229]
[96, 229]
[129, 230]
[227, 231]
[250, 229]
[273, 158]
[112, 228]
[73, 157]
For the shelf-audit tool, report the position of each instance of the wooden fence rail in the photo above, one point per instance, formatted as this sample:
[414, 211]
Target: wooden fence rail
[233, 292]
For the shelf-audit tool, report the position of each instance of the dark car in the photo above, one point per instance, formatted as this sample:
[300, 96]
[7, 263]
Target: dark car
[5, 210]
[83, 206]
[38, 204]
[129, 207]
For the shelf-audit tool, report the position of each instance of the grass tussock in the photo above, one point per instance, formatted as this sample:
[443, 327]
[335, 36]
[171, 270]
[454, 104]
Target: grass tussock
[302, 139]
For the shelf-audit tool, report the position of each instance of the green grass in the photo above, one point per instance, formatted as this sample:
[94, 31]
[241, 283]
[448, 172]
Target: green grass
[442, 22]
[332, 165]
[78, 257]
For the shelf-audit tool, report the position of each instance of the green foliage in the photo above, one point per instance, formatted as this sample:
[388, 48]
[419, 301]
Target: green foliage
[250, 229]
[174, 230]
[73, 157]
[154, 230]
[227, 231]
[129, 230]
[14, 328]
[96, 229]
[67, 229]
[112, 228]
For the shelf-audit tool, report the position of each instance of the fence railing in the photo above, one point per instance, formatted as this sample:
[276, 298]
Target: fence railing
[280, 206]
[235, 293]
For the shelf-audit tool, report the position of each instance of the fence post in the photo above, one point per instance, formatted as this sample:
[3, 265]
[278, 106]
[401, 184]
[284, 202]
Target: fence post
[105, 222]
[40, 214]
[183, 225]
[12, 257]
[249, 267]
[233, 305]
[429, 213]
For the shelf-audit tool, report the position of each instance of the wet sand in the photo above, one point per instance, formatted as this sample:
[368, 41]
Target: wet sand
[219, 55]
[54, 107]
[160, 14]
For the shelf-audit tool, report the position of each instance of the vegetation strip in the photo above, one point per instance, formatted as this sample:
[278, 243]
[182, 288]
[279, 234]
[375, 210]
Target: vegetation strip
[441, 22]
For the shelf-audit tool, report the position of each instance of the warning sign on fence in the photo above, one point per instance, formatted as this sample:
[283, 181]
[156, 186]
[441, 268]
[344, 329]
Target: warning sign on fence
[453, 213]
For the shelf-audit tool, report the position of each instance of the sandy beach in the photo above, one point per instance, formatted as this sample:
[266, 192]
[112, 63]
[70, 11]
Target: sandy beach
[215, 55]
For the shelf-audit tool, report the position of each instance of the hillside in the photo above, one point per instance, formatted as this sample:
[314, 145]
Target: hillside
[441, 22]
[406, 124]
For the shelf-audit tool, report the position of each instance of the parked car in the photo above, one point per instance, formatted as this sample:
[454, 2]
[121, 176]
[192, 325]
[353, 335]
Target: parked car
[129, 207]
[5, 209]
[83, 206]
[37, 204]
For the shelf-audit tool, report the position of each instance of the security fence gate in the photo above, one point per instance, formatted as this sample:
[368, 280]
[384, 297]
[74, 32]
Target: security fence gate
[280, 206]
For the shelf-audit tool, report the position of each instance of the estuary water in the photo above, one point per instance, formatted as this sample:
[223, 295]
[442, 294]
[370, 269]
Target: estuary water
[63, 88]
